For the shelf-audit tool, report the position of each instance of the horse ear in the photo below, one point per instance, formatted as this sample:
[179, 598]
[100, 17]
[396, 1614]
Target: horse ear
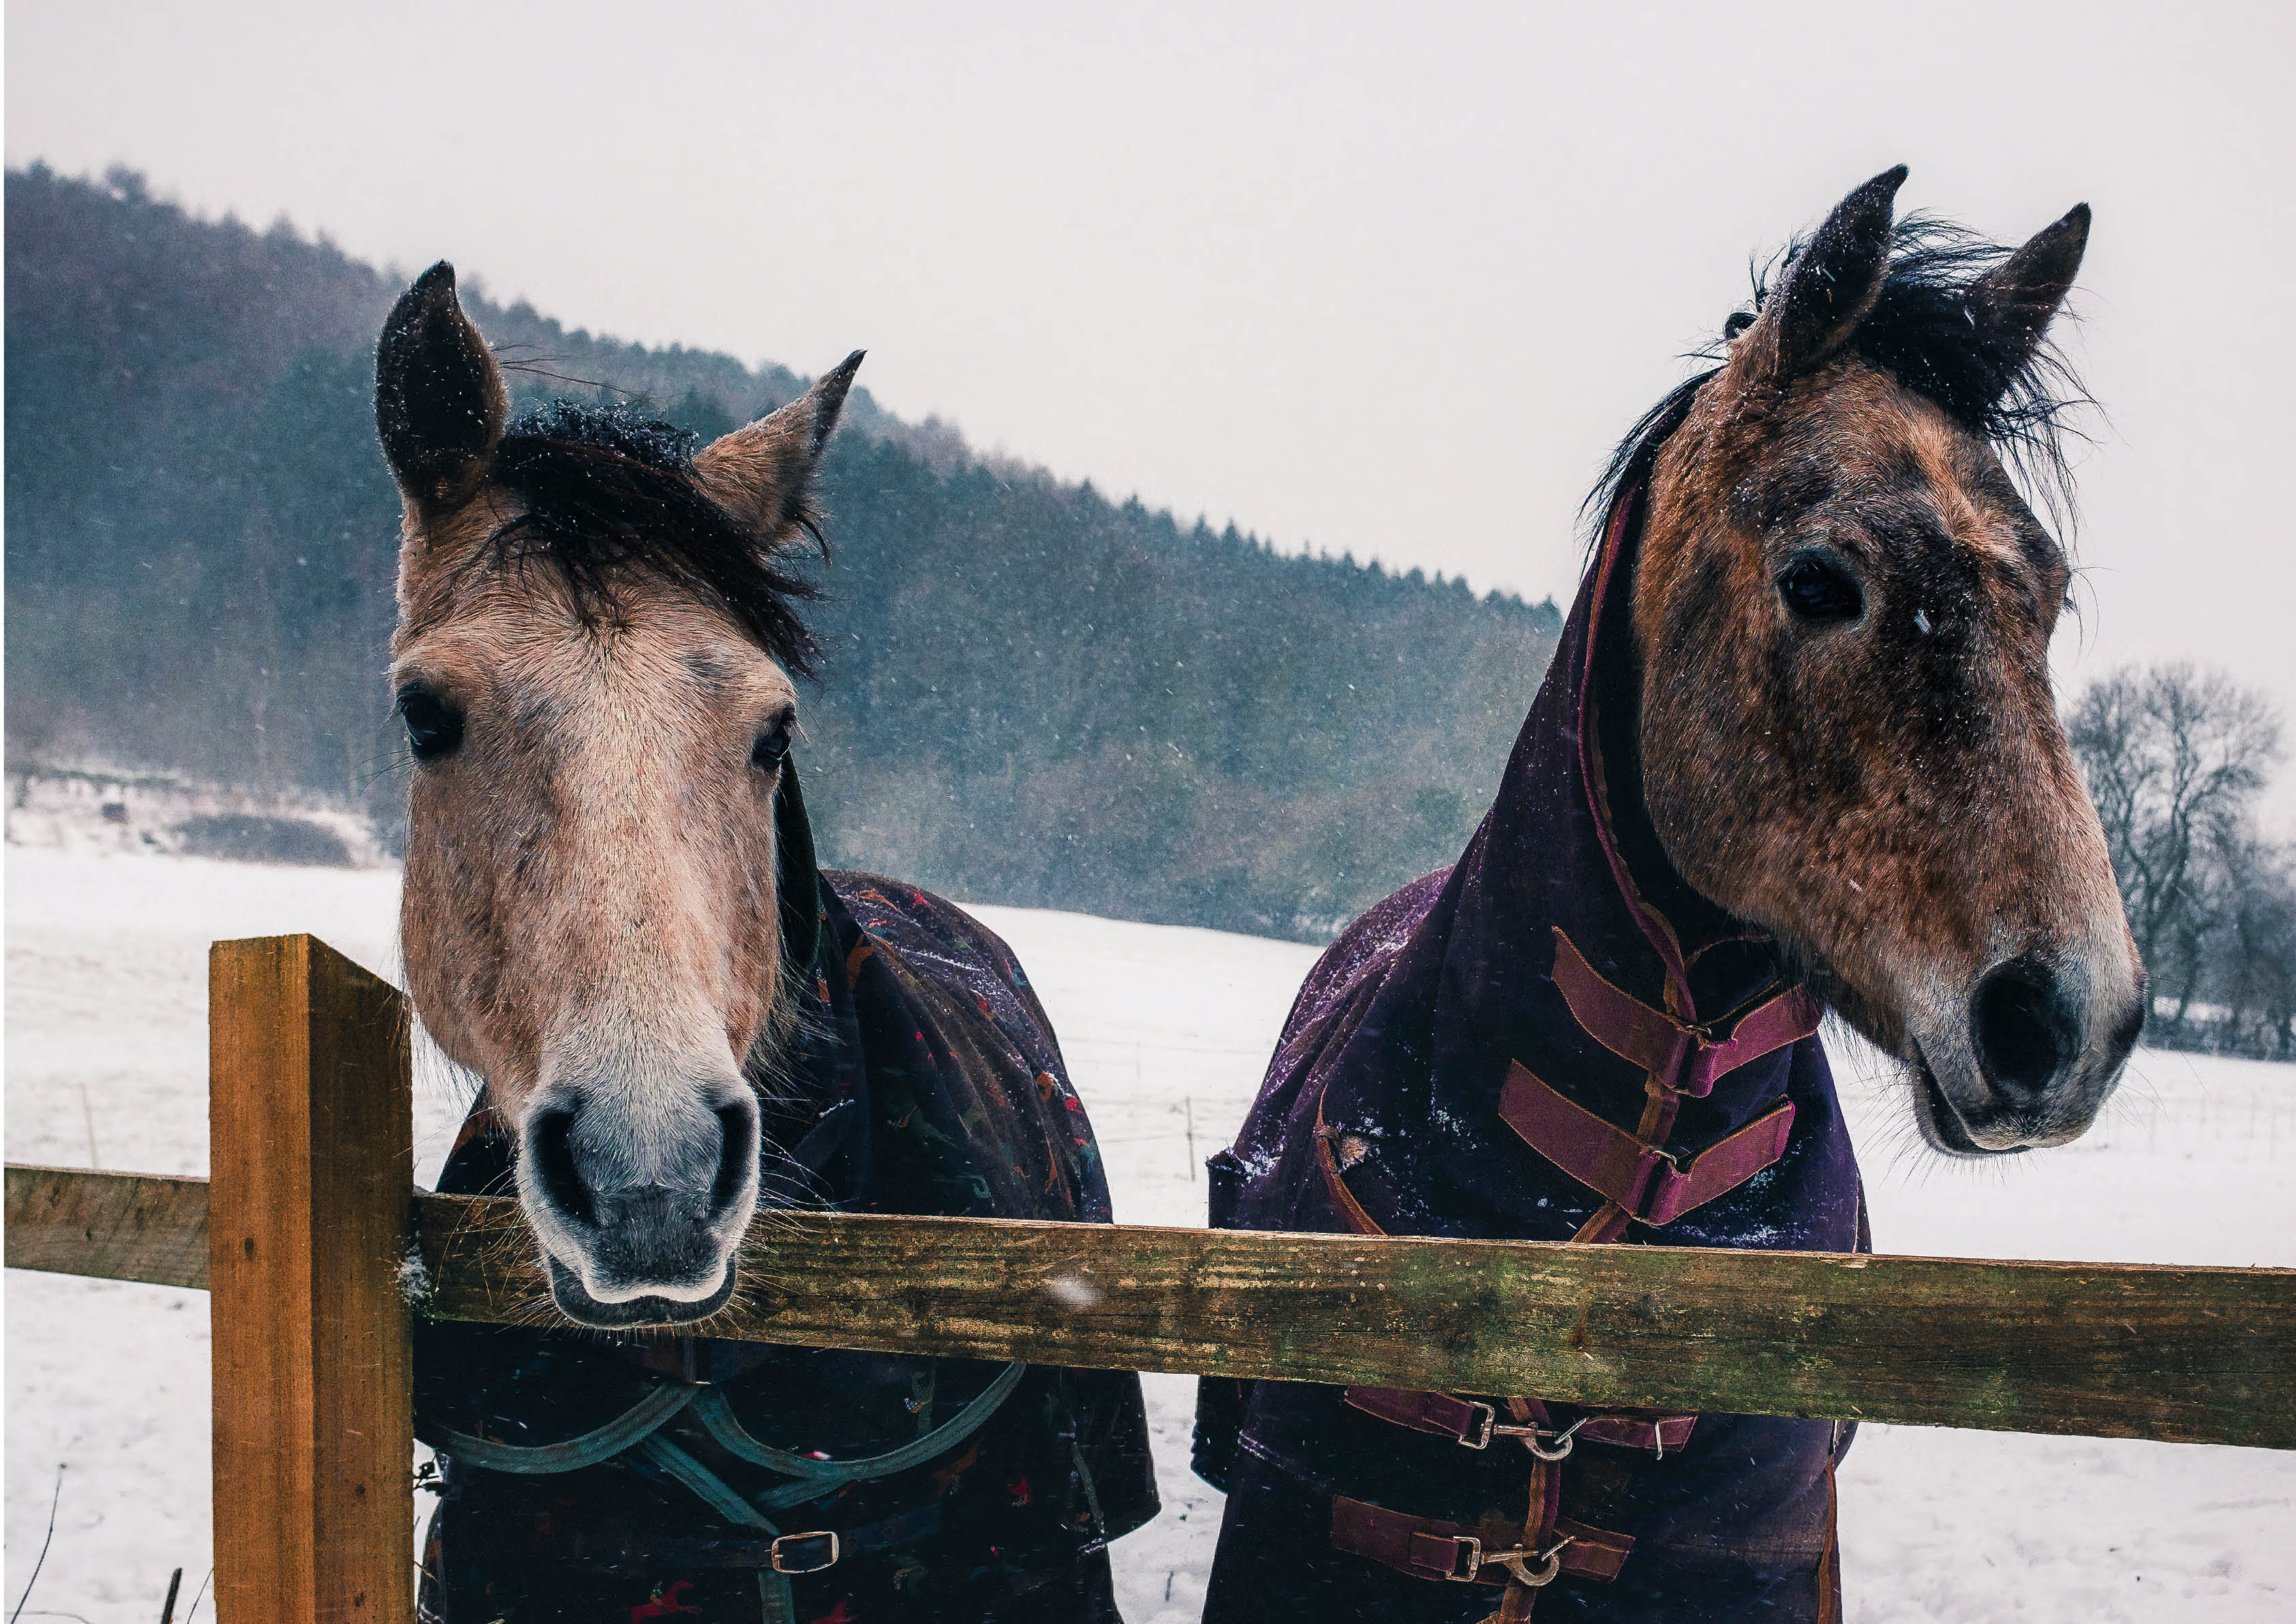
[2014, 303]
[1829, 286]
[764, 472]
[438, 399]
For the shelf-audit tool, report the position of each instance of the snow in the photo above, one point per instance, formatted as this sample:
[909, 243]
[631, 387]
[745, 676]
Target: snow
[1163, 1028]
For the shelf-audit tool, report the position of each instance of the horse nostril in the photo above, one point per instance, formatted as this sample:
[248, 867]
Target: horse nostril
[737, 1155]
[551, 1142]
[2025, 1032]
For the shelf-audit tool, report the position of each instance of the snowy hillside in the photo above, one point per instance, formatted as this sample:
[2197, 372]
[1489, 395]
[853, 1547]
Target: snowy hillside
[1163, 1027]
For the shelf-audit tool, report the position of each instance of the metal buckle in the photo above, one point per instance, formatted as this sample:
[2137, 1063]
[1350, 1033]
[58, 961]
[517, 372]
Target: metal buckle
[1490, 1428]
[1472, 1549]
[1563, 1440]
[1668, 1173]
[1551, 1558]
[782, 1565]
[1485, 1425]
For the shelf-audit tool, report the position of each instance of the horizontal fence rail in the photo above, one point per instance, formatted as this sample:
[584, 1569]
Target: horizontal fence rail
[2188, 1355]
[146, 1226]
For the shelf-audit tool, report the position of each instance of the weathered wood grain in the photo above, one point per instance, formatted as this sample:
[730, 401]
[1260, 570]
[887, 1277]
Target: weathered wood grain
[143, 1226]
[310, 1142]
[2199, 1355]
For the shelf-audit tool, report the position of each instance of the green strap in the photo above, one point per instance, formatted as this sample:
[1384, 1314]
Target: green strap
[631, 1427]
[639, 1428]
[715, 1490]
[815, 1476]
[777, 1596]
[650, 1414]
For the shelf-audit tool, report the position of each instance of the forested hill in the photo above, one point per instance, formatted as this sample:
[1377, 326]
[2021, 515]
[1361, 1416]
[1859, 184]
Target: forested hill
[1035, 695]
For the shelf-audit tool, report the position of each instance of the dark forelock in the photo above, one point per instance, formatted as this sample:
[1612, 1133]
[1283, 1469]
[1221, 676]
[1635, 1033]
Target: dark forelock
[1918, 331]
[608, 492]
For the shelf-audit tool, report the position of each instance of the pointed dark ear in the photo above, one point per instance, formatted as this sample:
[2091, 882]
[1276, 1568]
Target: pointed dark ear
[764, 472]
[438, 399]
[2014, 303]
[1827, 289]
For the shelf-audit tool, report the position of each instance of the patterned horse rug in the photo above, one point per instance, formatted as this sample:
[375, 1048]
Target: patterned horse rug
[1555, 1040]
[599, 1477]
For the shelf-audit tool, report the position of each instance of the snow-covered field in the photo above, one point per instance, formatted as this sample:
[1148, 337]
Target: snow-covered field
[1163, 1028]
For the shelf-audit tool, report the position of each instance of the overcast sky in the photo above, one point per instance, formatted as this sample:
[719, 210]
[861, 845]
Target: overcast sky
[1383, 279]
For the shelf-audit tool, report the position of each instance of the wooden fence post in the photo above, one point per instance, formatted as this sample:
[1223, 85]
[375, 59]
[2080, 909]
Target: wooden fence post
[310, 1150]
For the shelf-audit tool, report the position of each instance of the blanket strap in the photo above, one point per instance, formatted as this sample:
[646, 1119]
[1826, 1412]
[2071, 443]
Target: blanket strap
[645, 1418]
[1549, 1544]
[1426, 1547]
[639, 1429]
[1644, 1182]
[1689, 1059]
[793, 1554]
[816, 1478]
[1679, 1060]
[1473, 1424]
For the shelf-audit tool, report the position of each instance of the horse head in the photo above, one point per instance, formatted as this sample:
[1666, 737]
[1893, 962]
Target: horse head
[594, 662]
[1842, 607]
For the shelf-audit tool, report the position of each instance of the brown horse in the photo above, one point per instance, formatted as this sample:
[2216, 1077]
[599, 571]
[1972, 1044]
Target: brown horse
[612, 915]
[1797, 750]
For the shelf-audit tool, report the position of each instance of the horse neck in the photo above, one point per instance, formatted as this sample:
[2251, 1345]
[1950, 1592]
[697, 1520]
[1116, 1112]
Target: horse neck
[1570, 845]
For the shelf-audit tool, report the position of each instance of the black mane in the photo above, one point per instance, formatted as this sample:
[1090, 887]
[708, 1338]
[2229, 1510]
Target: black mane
[607, 489]
[1920, 333]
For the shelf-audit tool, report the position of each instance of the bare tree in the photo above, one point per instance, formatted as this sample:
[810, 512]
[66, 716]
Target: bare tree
[2173, 756]
[2255, 968]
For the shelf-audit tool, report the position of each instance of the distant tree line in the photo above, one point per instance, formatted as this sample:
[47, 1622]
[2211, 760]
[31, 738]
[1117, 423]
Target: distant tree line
[2176, 756]
[1035, 695]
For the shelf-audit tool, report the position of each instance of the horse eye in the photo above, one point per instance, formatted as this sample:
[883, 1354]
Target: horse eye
[773, 746]
[433, 726]
[1818, 588]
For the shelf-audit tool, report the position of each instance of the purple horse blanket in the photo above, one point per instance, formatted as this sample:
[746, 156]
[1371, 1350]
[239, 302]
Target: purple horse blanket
[1553, 1039]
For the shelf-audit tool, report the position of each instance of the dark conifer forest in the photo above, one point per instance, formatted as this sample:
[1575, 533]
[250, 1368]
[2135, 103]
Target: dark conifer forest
[1033, 694]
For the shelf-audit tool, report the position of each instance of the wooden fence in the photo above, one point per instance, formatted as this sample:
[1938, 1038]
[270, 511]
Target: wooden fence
[310, 1238]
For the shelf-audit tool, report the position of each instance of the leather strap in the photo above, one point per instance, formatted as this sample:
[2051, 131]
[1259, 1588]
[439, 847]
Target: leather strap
[1475, 1423]
[1661, 1434]
[1682, 1058]
[747, 1551]
[1429, 1548]
[1593, 1553]
[1463, 1420]
[1644, 1181]
[1343, 1198]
